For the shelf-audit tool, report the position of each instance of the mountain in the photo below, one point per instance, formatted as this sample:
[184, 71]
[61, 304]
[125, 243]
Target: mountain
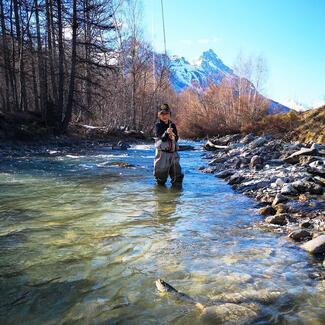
[208, 68]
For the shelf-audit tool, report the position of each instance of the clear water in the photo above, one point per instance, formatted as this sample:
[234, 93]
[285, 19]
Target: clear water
[83, 240]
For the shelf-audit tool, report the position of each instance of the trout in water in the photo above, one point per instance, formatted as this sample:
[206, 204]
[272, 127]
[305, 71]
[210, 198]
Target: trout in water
[164, 287]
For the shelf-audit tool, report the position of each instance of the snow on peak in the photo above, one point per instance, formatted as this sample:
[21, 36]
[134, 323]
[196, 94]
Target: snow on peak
[295, 105]
[208, 67]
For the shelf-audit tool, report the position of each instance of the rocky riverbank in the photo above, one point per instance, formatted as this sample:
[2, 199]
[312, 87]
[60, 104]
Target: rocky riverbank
[287, 180]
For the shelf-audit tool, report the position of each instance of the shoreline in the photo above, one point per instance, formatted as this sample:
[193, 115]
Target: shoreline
[286, 180]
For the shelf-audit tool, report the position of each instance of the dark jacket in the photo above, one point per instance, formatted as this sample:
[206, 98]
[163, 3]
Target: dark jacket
[161, 130]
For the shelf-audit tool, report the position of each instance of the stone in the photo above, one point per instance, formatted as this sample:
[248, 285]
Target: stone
[306, 224]
[315, 246]
[257, 142]
[280, 182]
[255, 162]
[300, 185]
[247, 138]
[279, 198]
[208, 170]
[226, 140]
[235, 179]
[226, 173]
[267, 198]
[278, 219]
[267, 210]
[288, 189]
[217, 160]
[315, 189]
[302, 198]
[121, 145]
[294, 158]
[318, 171]
[186, 147]
[230, 313]
[300, 235]
[281, 208]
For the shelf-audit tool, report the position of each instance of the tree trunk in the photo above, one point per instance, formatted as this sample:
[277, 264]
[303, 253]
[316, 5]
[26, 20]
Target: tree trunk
[22, 81]
[41, 75]
[68, 111]
[48, 8]
[61, 62]
[13, 51]
[5, 58]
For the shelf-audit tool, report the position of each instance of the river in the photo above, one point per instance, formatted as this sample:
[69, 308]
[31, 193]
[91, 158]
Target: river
[82, 241]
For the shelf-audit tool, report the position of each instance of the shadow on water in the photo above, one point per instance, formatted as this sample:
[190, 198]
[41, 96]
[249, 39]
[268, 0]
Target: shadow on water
[166, 200]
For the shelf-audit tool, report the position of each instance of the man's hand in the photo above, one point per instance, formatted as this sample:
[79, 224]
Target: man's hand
[170, 131]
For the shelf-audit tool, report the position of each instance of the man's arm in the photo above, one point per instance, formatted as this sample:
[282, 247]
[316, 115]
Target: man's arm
[161, 133]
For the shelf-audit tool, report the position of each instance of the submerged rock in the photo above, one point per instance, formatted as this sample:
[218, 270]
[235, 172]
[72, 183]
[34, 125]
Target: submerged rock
[230, 313]
[185, 148]
[263, 295]
[121, 145]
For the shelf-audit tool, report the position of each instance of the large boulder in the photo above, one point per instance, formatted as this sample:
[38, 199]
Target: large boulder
[316, 245]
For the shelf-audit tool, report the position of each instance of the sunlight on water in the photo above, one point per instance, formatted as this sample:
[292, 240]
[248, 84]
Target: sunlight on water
[83, 242]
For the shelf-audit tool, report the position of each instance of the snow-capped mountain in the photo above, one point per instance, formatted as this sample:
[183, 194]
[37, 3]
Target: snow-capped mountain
[208, 68]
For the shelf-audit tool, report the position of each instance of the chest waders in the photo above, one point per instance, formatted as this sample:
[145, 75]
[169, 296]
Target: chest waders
[167, 164]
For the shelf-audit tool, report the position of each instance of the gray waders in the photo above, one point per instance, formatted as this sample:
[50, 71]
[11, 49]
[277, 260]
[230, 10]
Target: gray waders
[167, 163]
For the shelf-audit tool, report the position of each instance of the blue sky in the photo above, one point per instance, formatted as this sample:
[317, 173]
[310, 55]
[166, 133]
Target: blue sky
[290, 34]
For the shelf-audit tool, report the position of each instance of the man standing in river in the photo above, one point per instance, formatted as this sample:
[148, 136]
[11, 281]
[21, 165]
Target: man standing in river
[167, 158]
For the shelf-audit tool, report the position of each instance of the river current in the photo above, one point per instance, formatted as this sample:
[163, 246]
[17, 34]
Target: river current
[82, 240]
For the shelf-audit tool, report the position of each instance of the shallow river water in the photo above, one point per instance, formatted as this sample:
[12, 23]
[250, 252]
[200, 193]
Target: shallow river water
[83, 240]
